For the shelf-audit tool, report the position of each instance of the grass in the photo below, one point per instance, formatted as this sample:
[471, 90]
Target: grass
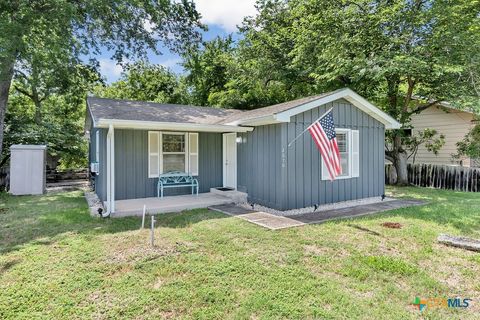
[58, 262]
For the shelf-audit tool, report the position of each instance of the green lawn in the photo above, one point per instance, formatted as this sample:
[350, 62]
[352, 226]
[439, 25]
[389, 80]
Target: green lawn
[58, 262]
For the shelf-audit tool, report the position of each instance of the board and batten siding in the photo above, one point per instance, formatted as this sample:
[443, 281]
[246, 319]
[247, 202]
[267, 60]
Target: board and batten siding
[284, 178]
[131, 165]
[258, 165]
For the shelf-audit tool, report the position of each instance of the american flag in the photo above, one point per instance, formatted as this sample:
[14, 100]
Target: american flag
[323, 133]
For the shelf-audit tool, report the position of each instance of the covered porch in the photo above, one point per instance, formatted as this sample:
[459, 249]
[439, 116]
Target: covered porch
[136, 157]
[154, 205]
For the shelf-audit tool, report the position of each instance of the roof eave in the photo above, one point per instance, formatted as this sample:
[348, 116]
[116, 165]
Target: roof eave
[171, 126]
[258, 121]
[89, 116]
[347, 94]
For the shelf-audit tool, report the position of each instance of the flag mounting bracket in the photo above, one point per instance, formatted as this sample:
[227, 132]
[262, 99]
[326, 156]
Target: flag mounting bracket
[290, 143]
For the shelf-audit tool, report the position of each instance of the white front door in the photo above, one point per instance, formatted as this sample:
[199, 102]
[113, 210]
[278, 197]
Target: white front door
[230, 160]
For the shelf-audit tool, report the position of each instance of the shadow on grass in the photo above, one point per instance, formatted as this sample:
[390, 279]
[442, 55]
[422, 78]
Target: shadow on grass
[41, 219]
[7, 265]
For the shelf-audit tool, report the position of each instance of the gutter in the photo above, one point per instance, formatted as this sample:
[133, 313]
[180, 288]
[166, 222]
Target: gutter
[172, 126]
[110, 172]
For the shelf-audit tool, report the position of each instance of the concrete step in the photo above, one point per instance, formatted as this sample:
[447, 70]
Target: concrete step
[235, 195]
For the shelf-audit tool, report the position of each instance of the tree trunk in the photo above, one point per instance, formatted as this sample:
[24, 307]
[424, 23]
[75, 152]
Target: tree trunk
[401, 168]
[38, 108]
[6, 75]
[400, 160]
[398, 156]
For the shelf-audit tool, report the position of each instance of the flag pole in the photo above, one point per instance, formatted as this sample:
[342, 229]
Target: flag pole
[290, 143]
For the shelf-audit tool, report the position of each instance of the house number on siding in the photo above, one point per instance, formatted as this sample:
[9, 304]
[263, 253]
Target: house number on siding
[284, 158]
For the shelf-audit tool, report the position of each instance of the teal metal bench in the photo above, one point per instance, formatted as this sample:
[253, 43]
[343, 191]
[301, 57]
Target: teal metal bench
[175, 179]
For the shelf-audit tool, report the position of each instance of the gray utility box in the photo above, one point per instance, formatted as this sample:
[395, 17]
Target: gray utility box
[27, 169]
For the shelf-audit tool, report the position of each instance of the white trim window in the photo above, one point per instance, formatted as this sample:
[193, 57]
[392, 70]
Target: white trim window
[349, 145]
[173, 154]
[172, 151]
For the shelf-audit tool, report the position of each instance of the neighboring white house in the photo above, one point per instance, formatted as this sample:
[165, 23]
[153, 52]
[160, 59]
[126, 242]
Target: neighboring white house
[453, 124]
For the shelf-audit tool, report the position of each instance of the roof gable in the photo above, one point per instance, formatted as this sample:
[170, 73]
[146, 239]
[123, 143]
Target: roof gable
[284, 111]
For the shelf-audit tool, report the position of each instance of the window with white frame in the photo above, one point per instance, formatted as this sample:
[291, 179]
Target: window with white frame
[343, 147]
[348, 145]
[172, 151]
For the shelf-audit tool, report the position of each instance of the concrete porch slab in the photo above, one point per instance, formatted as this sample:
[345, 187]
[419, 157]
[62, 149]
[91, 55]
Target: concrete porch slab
[356, 211]
[134, 207]
[270, 221]
[274, 222]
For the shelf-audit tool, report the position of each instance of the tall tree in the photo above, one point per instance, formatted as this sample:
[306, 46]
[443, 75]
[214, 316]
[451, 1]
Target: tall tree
[61, 128]
[50, 31]
[404, 55]
[147, 82]
[208, 68]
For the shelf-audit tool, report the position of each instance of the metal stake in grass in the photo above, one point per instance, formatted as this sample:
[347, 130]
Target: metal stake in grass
[143, 215]
[152, 240]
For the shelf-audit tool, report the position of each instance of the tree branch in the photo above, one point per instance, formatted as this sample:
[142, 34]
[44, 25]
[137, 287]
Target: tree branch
[408, 96]
[389, 158]
[24, 92]
[423, 107]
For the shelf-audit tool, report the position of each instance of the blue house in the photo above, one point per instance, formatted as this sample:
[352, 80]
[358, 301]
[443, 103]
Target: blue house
[133, 142]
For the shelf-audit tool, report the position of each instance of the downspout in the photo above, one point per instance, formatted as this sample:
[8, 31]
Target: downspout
[110, 172]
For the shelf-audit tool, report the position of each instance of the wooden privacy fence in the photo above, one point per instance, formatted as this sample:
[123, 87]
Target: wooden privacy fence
[68, 174]
[4, 178]
[52, 176]
[440, 176]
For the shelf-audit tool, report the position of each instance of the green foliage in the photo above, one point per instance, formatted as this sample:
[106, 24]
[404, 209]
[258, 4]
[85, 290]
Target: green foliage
[145, 82]
[470, 145]
[209, 69]
[430, 138]
[388, 264]
[389, 51]
[44, 42]
[49, 31]
[61, 128]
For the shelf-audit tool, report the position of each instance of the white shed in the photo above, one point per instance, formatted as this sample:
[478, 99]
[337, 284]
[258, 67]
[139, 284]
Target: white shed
[27, 169]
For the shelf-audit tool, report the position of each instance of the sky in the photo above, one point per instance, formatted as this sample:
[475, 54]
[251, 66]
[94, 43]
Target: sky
[221, 16]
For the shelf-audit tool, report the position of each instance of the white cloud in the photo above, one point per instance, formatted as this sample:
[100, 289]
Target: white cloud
[148, 25]
[171, 62]
[110, 69]
[225, 13]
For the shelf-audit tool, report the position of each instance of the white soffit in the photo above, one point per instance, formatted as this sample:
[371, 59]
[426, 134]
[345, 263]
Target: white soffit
[347, 94]
[155, 125]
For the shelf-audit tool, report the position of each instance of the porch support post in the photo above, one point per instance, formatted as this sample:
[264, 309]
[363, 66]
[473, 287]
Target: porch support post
[110, 170]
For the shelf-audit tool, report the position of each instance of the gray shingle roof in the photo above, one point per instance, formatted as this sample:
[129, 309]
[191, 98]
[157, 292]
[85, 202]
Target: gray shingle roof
[277, 108]
[102, 108]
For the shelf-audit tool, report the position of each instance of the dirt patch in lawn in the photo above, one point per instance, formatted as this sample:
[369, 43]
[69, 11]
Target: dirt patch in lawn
[392, 225]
